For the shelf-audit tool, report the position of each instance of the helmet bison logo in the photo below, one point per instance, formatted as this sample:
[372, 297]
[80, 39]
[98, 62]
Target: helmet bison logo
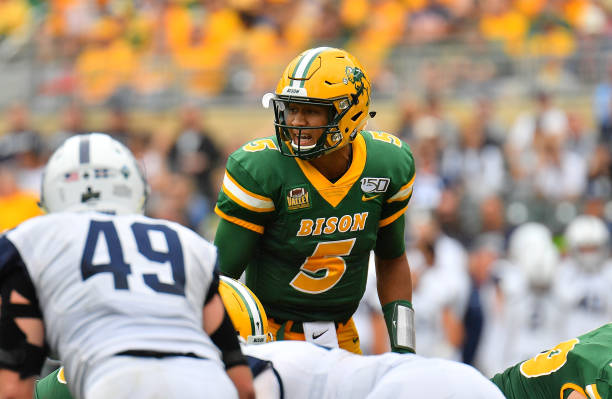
[356, 77]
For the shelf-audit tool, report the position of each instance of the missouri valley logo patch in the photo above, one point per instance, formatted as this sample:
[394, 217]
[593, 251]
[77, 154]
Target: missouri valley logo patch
[298, 198]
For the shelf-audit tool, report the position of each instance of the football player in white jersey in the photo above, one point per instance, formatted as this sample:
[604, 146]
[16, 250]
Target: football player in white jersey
[585, 275]
[303, 370]
[441, 287]
[129, 304]
[532, 316]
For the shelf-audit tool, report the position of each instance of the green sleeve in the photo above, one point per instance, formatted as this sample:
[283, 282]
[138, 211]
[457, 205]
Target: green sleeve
[236, 246]
[400, 166]
[51, 388]
[390, 240]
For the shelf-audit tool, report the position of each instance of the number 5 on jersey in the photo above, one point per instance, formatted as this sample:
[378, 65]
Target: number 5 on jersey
[324, 268]
[548, 362]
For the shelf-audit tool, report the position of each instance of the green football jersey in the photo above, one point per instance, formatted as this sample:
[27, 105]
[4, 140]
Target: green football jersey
[52, 386]
[582, 364]
[312, 259]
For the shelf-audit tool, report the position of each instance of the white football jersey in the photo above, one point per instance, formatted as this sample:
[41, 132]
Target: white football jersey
[308, 371]
[532, 320]
[108, 284]
[443, 285]
[585, 295]
[369, 305]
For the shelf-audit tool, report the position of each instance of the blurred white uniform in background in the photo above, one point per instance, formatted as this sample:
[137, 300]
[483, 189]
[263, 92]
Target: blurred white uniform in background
[533, 317]
[504, 278]
[369, 319]
[585, 276]
[441, 288]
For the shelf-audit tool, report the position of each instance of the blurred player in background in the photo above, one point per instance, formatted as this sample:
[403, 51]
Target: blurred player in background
[17, 204]
[441, 287]
[585, 276]
[369, 318]
[532, 316]
[302, 211]
[579, 368]
[129, 304]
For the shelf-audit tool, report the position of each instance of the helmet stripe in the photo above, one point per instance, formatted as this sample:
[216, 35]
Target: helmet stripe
[252, 309]
[303, 65]
[84, 149]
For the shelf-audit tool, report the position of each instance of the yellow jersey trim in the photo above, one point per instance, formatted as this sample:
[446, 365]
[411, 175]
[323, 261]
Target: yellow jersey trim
[404, 192]
[243, 223]
[244, 197]
[569, 385]
[334, 193]
[61, 377]
[591, 391]
[392, 218]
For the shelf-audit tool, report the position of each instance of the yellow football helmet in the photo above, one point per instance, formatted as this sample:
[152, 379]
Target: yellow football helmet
[328, 77]
[245, 310]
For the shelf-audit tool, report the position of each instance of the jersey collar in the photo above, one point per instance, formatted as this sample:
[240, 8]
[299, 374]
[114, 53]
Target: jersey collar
[334, 193]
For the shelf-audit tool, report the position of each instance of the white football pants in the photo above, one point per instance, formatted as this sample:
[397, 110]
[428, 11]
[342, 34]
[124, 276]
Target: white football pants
[434, 378]
[150, 378]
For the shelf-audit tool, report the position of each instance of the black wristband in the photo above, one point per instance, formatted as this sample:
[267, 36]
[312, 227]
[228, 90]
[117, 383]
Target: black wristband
[226, 339]
[234, 358]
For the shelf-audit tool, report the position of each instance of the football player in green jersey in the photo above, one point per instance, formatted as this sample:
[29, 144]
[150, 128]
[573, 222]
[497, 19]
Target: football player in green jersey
[53, 386]
[579, 368]
[301, 211]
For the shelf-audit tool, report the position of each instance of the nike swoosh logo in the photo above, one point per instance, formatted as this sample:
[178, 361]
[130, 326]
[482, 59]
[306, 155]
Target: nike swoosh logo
[315, 336]
[364, 198]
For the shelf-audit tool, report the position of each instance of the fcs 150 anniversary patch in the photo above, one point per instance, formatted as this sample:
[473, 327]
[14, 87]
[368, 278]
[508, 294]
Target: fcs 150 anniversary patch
[375, 184]
[373, 187]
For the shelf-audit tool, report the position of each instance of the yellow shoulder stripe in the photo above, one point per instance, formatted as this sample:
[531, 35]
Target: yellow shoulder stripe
[244, 197]
[404, 192]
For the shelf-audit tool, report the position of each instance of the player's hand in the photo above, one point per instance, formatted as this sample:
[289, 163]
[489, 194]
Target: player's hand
[243, 380]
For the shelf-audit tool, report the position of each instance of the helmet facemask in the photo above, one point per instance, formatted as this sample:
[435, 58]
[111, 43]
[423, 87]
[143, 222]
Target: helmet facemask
[588, 241]
[330, 138]
[590, 257]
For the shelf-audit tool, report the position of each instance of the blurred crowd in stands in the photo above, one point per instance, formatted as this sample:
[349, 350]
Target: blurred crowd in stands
[97, 49]
[479, 178]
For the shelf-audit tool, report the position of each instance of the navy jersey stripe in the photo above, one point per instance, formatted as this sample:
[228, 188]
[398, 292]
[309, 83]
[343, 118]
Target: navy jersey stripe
[84, 149]
[9, 257]
[11, 262]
